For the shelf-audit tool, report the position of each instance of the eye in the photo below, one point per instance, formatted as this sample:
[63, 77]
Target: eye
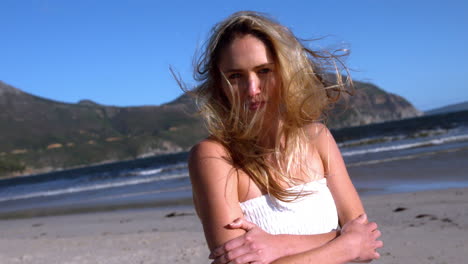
[264, 71]
[234, 76]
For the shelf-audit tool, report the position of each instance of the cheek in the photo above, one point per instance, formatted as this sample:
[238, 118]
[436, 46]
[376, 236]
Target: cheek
[235, 90]
[229, 91]
[273, 89]
[225, 89]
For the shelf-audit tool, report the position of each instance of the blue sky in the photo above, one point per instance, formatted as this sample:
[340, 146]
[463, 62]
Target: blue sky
[119, 52]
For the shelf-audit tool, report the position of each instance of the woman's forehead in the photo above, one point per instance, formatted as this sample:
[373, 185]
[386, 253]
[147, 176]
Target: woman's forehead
[244, 52]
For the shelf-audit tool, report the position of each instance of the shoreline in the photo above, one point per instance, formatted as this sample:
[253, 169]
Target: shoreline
[417, 227]
[72, 210]
[186, 203]
[32, 172]
[434, 171]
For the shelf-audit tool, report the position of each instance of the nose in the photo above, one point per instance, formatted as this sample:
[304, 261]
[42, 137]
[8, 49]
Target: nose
[253, 85]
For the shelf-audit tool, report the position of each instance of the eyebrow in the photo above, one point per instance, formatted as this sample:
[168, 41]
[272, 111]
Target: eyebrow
[256, 67]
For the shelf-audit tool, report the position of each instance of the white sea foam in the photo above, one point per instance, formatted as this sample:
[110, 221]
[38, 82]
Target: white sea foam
[133, 194]
[406, 157]
[94, 187]
[423, 143]
[145, 172]
[149, 172]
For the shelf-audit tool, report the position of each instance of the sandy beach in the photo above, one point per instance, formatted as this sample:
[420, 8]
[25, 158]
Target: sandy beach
[420, 227]
[417, 227]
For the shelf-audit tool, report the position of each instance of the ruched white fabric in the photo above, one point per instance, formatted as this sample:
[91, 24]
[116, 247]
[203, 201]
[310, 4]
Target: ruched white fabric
[313, 214]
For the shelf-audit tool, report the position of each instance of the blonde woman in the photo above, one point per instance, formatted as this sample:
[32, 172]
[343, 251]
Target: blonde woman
[269, 184]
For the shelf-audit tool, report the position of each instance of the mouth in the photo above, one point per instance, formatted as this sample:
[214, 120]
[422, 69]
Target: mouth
[256, 105]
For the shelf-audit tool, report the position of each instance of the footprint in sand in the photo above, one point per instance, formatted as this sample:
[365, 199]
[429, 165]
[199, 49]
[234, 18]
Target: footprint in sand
[399, 209]
[429, 216]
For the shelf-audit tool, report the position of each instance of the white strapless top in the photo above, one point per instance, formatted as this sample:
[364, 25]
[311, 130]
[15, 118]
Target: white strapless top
[313, 214]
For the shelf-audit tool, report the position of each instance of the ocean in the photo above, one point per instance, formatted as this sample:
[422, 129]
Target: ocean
[164, 181]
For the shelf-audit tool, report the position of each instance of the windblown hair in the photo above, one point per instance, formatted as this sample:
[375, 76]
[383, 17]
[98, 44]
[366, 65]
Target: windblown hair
[303, 93]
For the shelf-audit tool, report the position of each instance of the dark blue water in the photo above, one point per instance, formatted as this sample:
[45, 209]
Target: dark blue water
[164, 180]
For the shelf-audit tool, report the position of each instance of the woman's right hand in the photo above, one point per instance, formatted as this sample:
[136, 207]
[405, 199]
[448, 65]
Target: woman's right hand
[255, 246]
[363, 238]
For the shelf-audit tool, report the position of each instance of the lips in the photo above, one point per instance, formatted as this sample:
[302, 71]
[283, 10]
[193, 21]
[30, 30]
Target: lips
[256, 105]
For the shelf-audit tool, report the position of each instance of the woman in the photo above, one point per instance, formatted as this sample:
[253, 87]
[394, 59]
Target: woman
[269, 184]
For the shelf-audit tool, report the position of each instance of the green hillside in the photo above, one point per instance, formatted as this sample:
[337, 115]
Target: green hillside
[38, 134]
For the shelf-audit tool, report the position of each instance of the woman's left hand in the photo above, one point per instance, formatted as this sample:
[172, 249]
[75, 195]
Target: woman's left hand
[255, 246]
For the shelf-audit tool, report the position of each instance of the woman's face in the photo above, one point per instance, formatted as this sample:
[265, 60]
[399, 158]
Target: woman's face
[248, 66]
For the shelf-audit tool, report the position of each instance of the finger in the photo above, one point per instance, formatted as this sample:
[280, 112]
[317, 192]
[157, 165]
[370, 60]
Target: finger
[232, 257]
[362, 218]
[226, 247]
[358, 260]
[236, 253]
[235, 224]
[241, 223]
[376, 234]
[220, 260]
[372, 226]
[216, 252]
[248, 258]
[379, 244]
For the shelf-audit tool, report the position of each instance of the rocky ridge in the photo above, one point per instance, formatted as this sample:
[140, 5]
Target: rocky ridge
[38, 133]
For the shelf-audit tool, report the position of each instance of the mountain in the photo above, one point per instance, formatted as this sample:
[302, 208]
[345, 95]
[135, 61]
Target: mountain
[447, 109]
[369, 104]
[41, 133]
[38, 134]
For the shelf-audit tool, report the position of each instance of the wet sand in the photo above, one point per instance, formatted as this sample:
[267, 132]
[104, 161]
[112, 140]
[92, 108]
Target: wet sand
[432, 170]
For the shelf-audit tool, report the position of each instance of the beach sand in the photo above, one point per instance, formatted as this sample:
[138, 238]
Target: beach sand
[417, 227]
[420, 227]
[124, 236]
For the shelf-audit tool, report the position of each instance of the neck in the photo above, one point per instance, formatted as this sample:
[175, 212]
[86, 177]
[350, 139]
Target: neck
[269, 136]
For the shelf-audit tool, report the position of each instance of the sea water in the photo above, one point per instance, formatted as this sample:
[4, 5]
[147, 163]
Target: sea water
[164, 180]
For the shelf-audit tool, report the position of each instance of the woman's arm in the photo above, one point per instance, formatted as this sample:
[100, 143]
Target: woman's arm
[256, 244]
[214, 185]
[346, 198]
[357, 244]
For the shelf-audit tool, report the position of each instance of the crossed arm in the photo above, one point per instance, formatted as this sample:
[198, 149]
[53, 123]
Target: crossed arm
[356, 243]
[216, 199]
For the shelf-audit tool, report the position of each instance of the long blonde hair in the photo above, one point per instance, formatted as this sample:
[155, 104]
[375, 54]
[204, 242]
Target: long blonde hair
[304, 95]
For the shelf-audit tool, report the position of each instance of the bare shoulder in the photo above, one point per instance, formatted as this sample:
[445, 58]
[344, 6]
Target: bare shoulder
[320, 135]
[322, 139]
[207, 148]
[317, 130]
[214, 186]
[210, 169]
[206, 156]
